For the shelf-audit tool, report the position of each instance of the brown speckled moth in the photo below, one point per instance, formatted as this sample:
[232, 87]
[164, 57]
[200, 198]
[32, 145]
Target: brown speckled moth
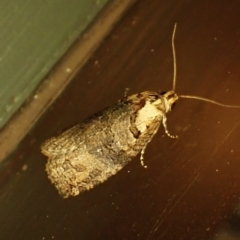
[89, 153]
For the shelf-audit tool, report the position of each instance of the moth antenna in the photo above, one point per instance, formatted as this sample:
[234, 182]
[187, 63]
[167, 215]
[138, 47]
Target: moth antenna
[175, 75]
[174, 58]
[208, 100]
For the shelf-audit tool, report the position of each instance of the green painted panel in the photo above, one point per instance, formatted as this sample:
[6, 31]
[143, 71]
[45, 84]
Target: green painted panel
[33, 36]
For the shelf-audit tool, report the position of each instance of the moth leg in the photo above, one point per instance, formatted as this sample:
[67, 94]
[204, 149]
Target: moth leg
[126, 93]
[144, 148]
[142, 154]
[164, 121]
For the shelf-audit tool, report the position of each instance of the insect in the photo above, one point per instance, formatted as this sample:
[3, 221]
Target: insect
[89, 153]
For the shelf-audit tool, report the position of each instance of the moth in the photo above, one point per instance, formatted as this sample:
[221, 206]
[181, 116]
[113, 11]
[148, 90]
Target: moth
[89, 153]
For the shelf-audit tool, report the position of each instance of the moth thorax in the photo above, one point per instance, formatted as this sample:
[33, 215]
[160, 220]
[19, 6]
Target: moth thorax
[147, 115]
[169, 98]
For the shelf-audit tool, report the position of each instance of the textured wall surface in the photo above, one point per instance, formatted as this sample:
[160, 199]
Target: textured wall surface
[34, 35]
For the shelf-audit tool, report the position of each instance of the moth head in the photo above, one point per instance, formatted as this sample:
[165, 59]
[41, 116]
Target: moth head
[169, 99]
[161, 102]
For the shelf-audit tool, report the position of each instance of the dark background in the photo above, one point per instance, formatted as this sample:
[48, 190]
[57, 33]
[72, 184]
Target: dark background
[191, 188]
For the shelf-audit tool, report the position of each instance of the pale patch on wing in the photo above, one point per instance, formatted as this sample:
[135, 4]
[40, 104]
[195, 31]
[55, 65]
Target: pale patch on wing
[146, 116]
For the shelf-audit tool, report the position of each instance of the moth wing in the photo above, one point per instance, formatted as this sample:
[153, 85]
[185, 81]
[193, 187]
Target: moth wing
[79, 171]
[64, 143]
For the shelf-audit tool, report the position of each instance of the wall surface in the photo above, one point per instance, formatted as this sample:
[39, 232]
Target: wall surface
[34, 36]
[191, 187]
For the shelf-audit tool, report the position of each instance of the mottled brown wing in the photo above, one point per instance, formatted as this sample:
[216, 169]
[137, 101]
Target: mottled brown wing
[89, 153]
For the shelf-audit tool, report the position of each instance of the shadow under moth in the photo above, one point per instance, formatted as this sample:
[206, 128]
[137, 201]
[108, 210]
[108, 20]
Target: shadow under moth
[89, 153]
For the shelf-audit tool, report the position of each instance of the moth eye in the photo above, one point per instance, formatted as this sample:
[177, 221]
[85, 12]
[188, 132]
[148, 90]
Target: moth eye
[171, 96]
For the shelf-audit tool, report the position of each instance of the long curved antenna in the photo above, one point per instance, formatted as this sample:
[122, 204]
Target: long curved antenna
[174, 58]
[175, 75]
[208, 100]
